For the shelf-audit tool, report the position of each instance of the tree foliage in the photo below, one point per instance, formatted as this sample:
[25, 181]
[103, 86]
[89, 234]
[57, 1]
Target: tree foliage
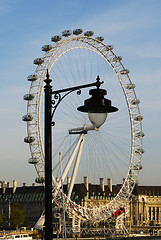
[17, 217]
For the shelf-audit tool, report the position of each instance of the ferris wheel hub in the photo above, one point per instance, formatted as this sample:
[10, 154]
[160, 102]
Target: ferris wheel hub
[83, 129]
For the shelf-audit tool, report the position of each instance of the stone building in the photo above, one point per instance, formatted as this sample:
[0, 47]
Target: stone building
[143, 207]
[31, 198]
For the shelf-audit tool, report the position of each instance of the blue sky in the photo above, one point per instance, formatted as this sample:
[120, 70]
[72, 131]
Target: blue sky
[133, 27]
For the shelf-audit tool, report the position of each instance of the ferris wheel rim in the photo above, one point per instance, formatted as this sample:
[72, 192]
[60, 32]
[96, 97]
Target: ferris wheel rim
[134, 110]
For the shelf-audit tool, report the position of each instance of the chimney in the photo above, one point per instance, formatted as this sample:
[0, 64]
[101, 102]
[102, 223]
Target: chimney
[68, 183]
[86, 182]
[8, 184]
[109, 183]
[4, 183]
[14, 186]
[24, 184]
[102, 184]
[34, 184]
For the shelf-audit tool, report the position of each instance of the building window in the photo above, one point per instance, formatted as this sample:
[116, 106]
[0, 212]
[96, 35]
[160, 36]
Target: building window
[150, 213]
[153, 213]
[157, 214]
[140, 218]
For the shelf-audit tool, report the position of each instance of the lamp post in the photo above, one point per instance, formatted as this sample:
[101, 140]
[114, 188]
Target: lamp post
[48, 160]
[97, 107]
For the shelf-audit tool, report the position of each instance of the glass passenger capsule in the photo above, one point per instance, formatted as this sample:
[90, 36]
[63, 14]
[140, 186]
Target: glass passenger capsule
[88, 33]
[28, 97]
[130, 86]
[110, 47]
[139, 134]
[135, 101]
[40, 180]
[138, 118]
[38, 61]
[139, 151]
[101, 39]
[77, 31]
[56, 38]
[117, 59]
[137, 167]
[27, 118]
[29, 139]
[32, 77]
[33, 160]
[46, 48]
[66, 33]
[124, 71]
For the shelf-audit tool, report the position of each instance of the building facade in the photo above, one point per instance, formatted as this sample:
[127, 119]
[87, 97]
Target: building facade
[143, 207]
[30, 198]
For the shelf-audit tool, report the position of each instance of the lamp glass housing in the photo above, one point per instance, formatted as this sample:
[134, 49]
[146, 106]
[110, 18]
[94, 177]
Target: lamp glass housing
[97, 119]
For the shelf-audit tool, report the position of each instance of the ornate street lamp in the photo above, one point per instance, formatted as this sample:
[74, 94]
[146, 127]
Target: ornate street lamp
[97, 107]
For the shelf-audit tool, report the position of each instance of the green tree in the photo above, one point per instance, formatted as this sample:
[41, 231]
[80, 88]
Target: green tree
[17, 217]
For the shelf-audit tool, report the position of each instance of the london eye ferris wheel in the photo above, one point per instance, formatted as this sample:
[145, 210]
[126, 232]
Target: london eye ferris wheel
[113, 150]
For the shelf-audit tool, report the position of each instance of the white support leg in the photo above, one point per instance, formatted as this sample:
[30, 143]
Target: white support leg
[75, 169]
[68, 165]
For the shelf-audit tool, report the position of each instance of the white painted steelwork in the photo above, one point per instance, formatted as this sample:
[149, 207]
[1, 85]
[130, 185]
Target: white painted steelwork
[52, 59]
[76, 165]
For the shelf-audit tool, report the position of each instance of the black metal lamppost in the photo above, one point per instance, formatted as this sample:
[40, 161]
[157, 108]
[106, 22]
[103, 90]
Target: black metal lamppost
[97, 107]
